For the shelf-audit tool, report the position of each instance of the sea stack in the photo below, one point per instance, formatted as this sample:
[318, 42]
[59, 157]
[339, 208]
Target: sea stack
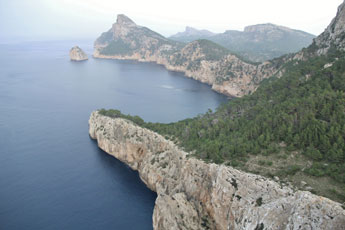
[77, 54]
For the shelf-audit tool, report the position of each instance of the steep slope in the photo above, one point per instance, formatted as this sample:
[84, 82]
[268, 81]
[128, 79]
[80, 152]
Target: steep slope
[125, 38]
[334, 35]
[192, 194]
[202, 60]
[258, 42]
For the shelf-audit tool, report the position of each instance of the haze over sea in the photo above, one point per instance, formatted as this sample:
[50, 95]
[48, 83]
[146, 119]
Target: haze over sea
[52, 175]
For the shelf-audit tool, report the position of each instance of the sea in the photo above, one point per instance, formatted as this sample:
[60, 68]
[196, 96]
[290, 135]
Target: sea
[52, 174]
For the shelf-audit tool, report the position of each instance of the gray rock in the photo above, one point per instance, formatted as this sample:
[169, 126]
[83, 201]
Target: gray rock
[303, 183]
[334, 34]
[192, 194]
[309, 188]
[77, 54]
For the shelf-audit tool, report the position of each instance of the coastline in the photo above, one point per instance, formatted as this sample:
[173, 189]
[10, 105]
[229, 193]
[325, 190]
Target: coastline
[227, 88]
[192, 194]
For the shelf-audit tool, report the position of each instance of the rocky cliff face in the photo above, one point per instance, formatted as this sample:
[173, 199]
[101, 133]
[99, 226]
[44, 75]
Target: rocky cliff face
[334, 35]
[77, 54]
[195, 195]
[201, 60]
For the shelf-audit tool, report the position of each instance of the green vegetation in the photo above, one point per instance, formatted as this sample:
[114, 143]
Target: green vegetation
[105, 37]
[293, 127]
[117, 47]
[114, 113]
[212, 50]
[259, 201]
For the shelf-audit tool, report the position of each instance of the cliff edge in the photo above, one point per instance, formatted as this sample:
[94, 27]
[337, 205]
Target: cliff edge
[193, 194]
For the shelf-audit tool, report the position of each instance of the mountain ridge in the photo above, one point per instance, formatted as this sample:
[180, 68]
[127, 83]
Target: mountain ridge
[192, 34]
[258, 42]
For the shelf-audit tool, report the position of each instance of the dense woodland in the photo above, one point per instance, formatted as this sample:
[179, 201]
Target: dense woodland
[301, 112]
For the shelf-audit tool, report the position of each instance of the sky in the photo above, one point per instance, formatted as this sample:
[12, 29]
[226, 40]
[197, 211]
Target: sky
[87, 19]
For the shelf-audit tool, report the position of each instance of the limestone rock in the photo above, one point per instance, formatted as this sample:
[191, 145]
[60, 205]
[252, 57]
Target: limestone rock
[334, 35]
[77, 54]
[195, 195]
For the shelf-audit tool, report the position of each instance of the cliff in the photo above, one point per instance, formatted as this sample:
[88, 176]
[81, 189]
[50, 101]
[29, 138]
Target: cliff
[334, 34]
[201, 60]
[195, 195]
[77, 54]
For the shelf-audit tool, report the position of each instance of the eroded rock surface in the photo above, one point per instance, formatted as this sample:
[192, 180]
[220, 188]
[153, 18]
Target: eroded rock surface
[334, 35]
[193, 194]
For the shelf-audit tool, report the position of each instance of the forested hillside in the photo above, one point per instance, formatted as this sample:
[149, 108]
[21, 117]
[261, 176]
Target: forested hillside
[301, 115]
[291, 127]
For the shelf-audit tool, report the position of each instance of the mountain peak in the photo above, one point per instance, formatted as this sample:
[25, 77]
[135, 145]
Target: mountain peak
[124, 20]
[190, 29]
[264, 27]
[192, 34]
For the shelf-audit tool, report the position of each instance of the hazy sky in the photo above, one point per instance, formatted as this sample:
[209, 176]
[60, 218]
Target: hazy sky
[58, 19]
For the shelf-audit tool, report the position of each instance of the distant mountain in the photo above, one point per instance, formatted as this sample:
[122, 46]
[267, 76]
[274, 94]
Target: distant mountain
[256, 43]
[125, 38]
[192, 34]
[202, 60]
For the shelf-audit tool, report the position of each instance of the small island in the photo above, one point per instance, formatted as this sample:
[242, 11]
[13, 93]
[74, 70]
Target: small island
[77, 54]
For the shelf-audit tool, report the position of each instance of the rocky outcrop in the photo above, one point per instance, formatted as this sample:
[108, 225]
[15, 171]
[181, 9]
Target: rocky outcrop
[201, 60]
[193, 194]
[77, 54]
[334, 35]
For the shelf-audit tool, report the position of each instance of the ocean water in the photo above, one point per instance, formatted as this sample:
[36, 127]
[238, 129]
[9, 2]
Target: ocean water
[52, 175]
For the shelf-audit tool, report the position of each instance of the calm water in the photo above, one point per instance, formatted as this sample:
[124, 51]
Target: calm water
[52, 175]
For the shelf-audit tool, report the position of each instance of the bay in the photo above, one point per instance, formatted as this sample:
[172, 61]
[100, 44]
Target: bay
[52, 175]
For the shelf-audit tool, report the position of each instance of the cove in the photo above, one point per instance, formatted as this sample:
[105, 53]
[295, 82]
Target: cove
[52, 175]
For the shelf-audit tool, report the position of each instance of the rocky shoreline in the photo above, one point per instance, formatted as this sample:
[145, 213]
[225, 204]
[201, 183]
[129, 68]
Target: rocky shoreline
[236, 87]
[192, 194]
